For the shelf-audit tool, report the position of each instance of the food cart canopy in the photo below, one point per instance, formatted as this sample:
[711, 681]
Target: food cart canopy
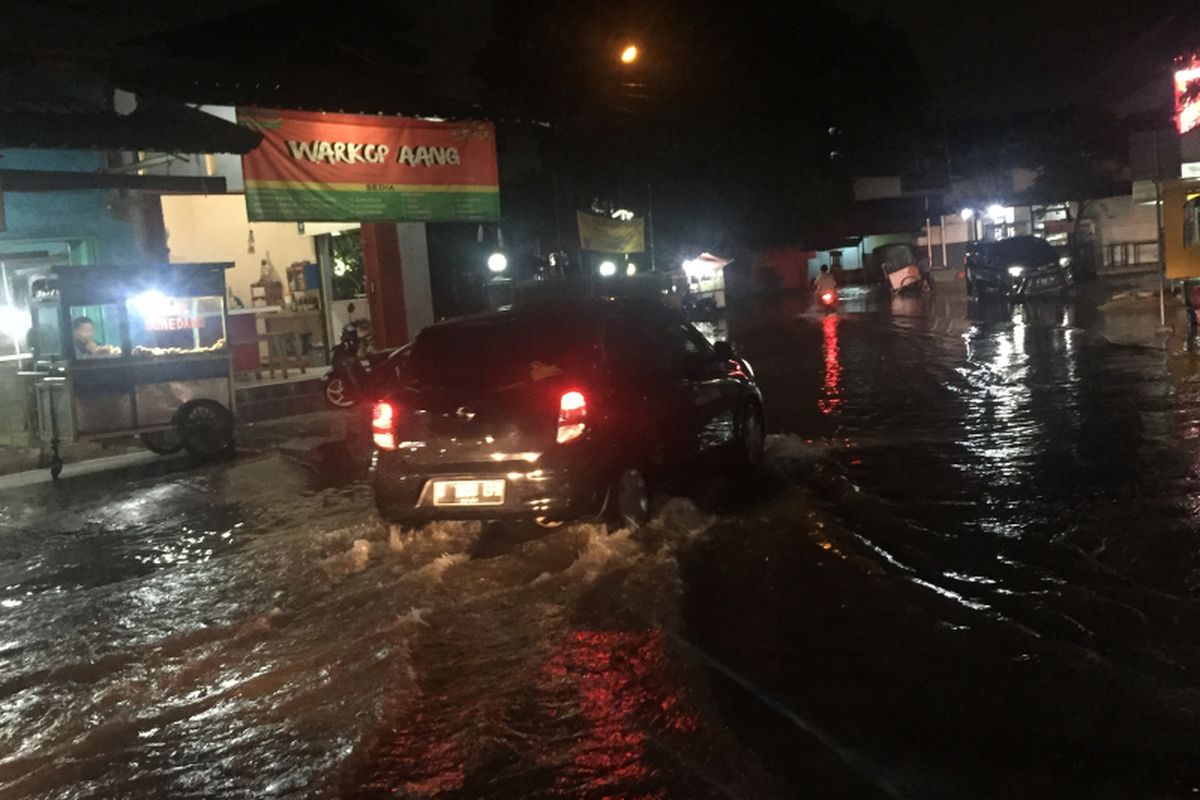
[108, 283]
[715, 261]
[704, 266]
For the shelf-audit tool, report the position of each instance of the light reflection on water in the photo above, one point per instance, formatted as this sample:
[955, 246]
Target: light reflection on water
[831, 388]
[1020, 393]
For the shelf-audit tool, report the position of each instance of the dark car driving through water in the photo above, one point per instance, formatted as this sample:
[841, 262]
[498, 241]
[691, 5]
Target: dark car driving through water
[553, 413]
[1016, 268]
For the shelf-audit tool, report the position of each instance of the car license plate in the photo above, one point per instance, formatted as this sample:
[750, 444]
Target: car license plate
[468, 493]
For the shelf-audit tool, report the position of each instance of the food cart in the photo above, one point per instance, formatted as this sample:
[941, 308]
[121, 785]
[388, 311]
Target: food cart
[899, 265]
[705, 285]
[125, 351]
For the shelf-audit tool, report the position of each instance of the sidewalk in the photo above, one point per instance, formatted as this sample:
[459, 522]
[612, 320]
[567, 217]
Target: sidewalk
[324, 438]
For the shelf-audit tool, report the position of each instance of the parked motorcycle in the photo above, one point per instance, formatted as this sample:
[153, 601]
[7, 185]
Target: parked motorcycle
[355, 372]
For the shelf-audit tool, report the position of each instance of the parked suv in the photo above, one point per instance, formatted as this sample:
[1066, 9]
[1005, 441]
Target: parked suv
[1015, 268]
[553, 413]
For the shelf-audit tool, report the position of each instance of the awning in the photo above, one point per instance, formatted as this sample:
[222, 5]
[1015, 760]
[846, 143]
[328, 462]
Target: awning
[62, 109]
[157, 126]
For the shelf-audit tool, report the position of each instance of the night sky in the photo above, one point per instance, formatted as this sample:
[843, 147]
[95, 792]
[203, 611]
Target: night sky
[1017, 55]
[979, 58]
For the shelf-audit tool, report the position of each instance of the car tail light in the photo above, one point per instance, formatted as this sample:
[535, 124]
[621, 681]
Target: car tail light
[572, 416]
[383, 425]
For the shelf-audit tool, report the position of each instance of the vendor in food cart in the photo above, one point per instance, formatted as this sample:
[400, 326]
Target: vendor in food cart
[83, 331]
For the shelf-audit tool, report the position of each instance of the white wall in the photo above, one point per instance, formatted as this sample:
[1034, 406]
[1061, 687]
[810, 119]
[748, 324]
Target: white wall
[215, 228]
[850, 260]
[418, 289]
[1120, 219]
[957, 231]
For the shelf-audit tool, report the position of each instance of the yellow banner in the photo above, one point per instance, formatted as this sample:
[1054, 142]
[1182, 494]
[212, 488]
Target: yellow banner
[611, 235]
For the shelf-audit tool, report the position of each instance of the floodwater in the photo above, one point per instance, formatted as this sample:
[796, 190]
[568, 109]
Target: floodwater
[968, 570]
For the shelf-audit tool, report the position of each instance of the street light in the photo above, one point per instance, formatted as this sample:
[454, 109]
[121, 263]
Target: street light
[497, 262]
[966, 214]
[629, 54]
[608, 269]
[631, 269]
[13, 322]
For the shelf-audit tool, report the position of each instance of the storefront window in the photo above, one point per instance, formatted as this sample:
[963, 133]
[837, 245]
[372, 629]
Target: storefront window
[96, 330]
[160, 325]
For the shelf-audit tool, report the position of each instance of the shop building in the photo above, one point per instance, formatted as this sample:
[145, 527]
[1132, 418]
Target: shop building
[75, 191]
[1115, 233]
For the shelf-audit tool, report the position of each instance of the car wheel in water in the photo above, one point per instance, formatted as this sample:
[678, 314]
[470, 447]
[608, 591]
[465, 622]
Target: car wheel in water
[206, 428]
[165, 443]
[338, 394]
[628, 501]
[753, 438]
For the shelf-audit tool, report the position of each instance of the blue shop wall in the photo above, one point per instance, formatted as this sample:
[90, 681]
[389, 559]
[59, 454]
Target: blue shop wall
[81, 227]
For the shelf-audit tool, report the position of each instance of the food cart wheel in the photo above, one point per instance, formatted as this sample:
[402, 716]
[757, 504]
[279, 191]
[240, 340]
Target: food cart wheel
[206, 428]
[164, 443]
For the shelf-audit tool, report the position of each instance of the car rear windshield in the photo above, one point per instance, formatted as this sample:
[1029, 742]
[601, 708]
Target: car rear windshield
[1024, 250]
[499, 353]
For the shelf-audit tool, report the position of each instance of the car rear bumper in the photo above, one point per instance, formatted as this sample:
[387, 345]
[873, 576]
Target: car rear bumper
[403, 491]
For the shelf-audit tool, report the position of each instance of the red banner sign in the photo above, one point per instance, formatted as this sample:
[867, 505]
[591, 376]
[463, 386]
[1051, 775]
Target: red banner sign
[314, 167]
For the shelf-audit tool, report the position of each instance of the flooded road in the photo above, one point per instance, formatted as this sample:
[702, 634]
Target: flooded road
[970, 570]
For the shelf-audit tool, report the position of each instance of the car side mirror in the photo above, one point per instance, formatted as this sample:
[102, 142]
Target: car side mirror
[723, 350]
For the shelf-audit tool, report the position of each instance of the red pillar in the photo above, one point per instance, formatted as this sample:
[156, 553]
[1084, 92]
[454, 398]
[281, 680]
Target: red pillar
[385, 285]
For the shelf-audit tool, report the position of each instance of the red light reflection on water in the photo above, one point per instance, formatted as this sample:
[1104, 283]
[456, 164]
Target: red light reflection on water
[417, 759]
[625, 693]
[833, 367]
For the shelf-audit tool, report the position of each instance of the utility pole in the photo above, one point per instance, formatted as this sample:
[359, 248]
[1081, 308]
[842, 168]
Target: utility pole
[928, 235]
[650, 224]
[558, 242]
[1158, 214]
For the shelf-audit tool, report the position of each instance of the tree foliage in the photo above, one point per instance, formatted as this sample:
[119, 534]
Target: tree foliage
[1080, 154]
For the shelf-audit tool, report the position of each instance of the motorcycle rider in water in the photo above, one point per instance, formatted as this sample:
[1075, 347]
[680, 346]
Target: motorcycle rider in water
[825, 282]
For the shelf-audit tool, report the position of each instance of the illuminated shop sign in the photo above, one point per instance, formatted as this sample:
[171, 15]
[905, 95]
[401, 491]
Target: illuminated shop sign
[1187, 94]
[175, 323]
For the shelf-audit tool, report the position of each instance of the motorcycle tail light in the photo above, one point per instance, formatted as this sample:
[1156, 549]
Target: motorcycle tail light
[827, 298]
[572, 416]
[383, 425]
